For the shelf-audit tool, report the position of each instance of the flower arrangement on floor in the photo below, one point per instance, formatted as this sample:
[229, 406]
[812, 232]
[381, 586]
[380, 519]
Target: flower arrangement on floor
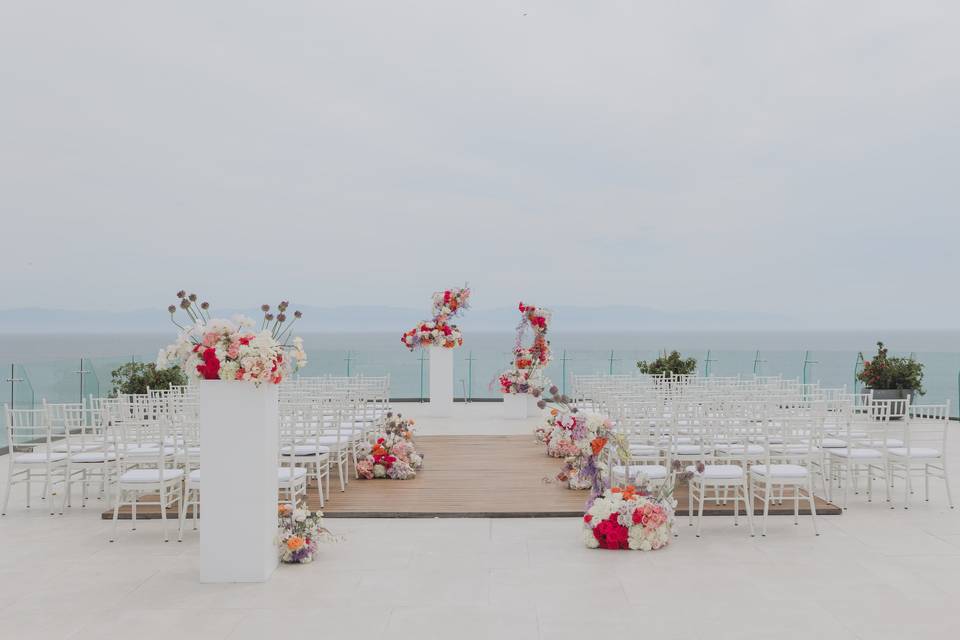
[214, 349]
[526, 374]
[390, 453]
[298, 532]
[438, 332]
[625, 518]
[583, 438]
[633, 517]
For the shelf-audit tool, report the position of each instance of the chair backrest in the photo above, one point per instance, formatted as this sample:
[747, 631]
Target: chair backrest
[926, 426]
[27, 429]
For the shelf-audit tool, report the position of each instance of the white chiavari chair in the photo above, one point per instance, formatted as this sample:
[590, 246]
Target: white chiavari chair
[923, 449]
[32, 460]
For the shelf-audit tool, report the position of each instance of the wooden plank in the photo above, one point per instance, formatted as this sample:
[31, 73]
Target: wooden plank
[472, 477]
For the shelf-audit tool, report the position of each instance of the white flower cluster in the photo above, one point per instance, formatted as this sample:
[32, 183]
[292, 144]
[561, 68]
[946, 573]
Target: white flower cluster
[228, 350]
[622, 518]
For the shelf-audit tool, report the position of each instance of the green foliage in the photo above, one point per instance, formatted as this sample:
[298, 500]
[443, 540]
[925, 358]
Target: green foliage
[672, 363]
[884, 372]
[136, 377]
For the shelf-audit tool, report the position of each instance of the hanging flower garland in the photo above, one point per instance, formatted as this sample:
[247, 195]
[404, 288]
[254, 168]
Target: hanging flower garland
[439, 332]
[527, 373]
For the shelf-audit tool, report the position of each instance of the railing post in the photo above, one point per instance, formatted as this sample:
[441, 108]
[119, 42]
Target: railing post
[611, 362]
[756, 363]
[348, 363]
[806, 361]
[563, 372]
[857, 368]
[81, 372]
[706, 364]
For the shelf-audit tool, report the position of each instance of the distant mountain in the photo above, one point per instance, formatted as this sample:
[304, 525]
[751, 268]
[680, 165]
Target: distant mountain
[382, 318]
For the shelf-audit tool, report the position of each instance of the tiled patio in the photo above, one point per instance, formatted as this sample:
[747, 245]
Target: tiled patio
[873, 573]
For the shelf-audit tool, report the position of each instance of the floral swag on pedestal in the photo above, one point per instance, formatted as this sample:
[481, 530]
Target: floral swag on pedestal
[526, 375]
[390, 453]
[215, 349]
[438, 332]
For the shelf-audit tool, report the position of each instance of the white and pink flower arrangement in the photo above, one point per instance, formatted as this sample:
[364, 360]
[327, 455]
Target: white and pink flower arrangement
[582, 440]
[215, 349]
[390, 453]
[629, 518]
[526, 373]
[438, 332]
[299, 531]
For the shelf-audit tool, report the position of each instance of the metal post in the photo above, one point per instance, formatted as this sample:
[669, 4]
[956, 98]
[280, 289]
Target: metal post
[756, 363]
[82, 372]
[857, 368]
[466, 397]
[807, 361]
[13, 380]
[706, 364]
[348, 363]
[563, 369]
[611, 362]
[422, 359]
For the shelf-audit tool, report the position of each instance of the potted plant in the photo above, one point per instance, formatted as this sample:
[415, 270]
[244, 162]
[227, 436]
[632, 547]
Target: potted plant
[138, 377]
[892, 378]
[666, 364]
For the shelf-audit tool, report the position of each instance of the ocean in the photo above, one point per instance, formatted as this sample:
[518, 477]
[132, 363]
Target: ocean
[49, 365]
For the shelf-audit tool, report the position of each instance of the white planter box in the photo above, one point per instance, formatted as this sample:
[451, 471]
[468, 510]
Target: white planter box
[239, 439]
[441, 382]
[515, 406]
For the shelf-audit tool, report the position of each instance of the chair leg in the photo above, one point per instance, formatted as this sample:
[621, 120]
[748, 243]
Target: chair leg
[6, 497]
[701, 499]
[133, 511]
[766, 506]
[181, 516]
[116, 513]
[736, 504]
[926, 483]
[908, 488]
[946, 482]
[67, 489]
[813, 508]
[748, 502]
[796, 505]
[690, 504]
[163, 512]
[28, 488]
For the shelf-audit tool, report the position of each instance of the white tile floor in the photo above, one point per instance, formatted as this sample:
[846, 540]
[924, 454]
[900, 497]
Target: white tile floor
[874, 573]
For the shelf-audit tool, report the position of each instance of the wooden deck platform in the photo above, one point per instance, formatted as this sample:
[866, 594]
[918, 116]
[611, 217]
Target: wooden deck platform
[502, 476]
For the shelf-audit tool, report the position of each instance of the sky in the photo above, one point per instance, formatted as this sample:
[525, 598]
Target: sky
[790, 158]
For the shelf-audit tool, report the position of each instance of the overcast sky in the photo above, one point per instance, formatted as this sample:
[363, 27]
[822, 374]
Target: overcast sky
[800, 158]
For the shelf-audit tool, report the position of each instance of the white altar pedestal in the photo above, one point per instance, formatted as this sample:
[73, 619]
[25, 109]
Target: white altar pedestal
[515, 406]
[239, 436]
[441, 382]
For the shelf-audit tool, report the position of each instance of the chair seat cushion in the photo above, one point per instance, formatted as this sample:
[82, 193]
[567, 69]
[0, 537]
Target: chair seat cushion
[718, 472]
[147, 450]
[305, 450]
[733, 449]
[76, 446]
[38, 457]
[791, 448]
[832, 443]
[651, 471]
[687, 449]
[149, 476]
[856, 453]
[284, 474]
[915, 452]
[644, 450]
[889, 442]
[93, 456]
[780, 470]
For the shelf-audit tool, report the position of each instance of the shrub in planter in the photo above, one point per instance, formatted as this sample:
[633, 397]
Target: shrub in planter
[136, 377]
[666, 364]
[884, 373]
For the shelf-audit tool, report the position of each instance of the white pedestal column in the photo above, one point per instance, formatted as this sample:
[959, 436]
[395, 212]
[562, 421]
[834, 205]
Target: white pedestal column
[532, 408]
[441, 382]
[239, 440]
[515, 406]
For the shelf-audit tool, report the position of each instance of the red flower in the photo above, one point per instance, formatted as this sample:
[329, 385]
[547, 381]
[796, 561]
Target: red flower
[587, 518]
[245, 340]
[611, 534]
[637, 514]
[210, 369]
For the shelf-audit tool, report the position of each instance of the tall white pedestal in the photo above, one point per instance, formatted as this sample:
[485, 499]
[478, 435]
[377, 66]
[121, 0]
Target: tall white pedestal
[441, 382]
[515, 406]
[239, 440]
[532, 408]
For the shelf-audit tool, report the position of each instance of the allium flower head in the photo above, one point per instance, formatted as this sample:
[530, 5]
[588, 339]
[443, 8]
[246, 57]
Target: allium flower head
[181, 293]
[193, 297]
[264, 308]
[172, 309]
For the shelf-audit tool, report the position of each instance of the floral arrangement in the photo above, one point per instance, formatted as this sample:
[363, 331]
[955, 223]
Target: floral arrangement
[298, 532]
[429, 334]
[390, 453]
[214, 349]
[449, 303]
[582, 439]
[884, 372]
[439, 332]
[526, 373]
[628, 518]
